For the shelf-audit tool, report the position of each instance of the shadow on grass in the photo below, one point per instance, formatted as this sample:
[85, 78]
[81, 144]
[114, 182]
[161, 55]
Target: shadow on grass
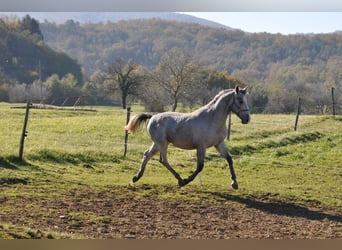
[62, 157]
[280, 208]
[12, 162]
[4, 163]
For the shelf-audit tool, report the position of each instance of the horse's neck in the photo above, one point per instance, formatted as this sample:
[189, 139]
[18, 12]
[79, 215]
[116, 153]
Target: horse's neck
[219, 109]
[222, 111]
[222, 105]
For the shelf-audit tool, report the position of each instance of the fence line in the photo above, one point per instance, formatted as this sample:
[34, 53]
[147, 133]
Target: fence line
[334, 107]
[128, 112]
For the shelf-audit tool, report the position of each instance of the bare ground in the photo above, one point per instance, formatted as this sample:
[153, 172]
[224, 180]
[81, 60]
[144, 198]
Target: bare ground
[120, 213]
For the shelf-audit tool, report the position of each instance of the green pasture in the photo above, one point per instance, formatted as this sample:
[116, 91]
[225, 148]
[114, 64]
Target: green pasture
[78, 150]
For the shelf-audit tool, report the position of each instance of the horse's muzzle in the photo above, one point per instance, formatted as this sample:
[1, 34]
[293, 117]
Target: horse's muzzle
[246, 120]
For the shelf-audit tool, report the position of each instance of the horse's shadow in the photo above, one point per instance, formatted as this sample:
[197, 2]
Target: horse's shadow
[278, 207]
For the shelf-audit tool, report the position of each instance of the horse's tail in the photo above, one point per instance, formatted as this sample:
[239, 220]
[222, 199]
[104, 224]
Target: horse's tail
[136, 121]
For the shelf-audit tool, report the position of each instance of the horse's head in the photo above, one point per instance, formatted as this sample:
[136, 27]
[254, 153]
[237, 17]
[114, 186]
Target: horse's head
[240, 105]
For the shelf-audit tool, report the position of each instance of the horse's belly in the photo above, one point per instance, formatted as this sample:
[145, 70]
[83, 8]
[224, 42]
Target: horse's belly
[183, 143]
[190, 142]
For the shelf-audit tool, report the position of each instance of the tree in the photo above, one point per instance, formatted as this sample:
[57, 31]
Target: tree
[175, 73]
[4, 88]
[60, 88]
[18, 93]
[153, 96]
[31, 26]
[127, 76]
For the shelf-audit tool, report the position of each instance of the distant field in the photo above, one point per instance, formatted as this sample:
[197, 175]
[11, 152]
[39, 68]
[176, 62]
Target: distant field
[73, 182]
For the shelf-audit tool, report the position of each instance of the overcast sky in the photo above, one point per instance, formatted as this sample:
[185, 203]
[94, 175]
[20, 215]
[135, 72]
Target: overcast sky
[277, 22]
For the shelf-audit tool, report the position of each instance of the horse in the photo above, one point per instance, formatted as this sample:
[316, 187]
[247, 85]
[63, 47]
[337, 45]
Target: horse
[200, 129]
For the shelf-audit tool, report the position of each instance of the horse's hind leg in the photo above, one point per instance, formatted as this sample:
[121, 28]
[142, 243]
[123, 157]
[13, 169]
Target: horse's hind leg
[147, 156]
[163, 160]
[222, 149]
[200, 164]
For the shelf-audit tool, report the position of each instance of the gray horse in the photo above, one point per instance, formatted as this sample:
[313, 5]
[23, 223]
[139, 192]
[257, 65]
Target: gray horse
[201, 129]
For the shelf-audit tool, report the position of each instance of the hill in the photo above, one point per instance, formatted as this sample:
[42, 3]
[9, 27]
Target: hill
[25, 56]
[104, 17]
[279, 67]
[146, 40]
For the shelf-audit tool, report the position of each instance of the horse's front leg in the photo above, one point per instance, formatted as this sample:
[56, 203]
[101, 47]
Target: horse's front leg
[147, 156]
[200, 164]
[222, 149]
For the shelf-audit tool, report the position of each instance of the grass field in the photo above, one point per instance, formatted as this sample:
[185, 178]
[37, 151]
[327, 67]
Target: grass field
[74, 152]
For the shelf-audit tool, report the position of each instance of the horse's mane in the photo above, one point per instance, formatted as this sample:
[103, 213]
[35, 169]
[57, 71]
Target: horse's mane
[218, 96]
[212, 104]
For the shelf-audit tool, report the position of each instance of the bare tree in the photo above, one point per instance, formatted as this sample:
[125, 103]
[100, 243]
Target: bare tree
[127, 76]
[175, 73]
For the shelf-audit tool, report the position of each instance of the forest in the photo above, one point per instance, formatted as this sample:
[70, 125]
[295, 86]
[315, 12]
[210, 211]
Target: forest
[25, 56]
[123, 61]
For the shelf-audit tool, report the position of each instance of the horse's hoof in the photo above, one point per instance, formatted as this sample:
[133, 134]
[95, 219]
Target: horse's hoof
[131, 184]
[235, 185]
[135, 179]
[182, 183]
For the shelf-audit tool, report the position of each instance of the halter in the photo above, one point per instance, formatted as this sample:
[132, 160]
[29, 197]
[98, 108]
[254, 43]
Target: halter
[240, 110]
[243, 110]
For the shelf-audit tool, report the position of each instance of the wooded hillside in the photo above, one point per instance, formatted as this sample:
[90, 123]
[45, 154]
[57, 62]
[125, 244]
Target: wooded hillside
[251, 55]
[25, 57]
[279, 67]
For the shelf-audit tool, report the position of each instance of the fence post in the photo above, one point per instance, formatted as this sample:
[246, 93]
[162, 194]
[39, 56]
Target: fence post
[126, 131]
[24, 132]
[298, 113]
[333, 101]
[229, 125]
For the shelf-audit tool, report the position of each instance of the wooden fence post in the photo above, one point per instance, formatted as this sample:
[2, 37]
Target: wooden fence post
[298, 113]
[24, 132]
[126, 131]
[229, 125]
[333, 101]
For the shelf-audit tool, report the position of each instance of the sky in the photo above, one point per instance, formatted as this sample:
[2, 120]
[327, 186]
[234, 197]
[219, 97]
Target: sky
[270, 22]
[277, 22]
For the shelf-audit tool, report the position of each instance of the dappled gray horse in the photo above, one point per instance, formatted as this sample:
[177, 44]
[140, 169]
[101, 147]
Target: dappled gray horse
[201, 129]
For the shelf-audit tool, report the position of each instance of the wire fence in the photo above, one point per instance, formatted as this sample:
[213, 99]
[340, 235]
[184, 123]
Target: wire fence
[330, 103]
[303, 106]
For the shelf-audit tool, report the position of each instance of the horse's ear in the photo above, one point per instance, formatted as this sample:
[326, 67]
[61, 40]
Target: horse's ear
[237, 89]
[244, 90]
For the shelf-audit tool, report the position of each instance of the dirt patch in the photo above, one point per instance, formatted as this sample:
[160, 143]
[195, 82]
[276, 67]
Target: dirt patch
[110, 214]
